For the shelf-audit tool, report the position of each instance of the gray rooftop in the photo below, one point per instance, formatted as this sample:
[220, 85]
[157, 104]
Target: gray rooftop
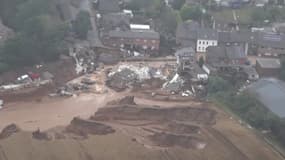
[108, 6]
[216, 54]
[269, 63]
[207, 34]
[189, 51]
[145, 34]
[187, 30]
[271, 93]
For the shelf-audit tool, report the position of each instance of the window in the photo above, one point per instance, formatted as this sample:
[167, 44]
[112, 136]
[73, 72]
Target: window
[203, 42]
[199, 42]
[207, 42]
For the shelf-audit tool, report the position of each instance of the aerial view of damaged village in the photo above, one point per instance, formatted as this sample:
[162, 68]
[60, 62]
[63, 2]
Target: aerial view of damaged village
[142, 79]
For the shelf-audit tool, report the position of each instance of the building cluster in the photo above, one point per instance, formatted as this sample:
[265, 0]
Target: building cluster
[245, 50]
[118, 29]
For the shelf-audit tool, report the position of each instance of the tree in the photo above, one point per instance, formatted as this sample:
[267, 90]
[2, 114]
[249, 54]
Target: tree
[177, 4]
[217, 84]
[258, 15]
[168, 20]
[201, 61]
[39, 36]
[191, 12]
[82, 24]
[282, 71]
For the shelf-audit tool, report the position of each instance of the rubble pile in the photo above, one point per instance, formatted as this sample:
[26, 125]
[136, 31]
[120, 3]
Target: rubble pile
[175, 85]
[126, 76]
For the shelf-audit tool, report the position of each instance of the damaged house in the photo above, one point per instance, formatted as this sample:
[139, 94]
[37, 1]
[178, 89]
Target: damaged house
[188, 66]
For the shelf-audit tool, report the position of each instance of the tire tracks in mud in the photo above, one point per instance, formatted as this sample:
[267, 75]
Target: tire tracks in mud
[3, 155]
[231, 147]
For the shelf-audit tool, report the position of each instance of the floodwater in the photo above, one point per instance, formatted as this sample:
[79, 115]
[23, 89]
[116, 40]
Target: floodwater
[50, 113]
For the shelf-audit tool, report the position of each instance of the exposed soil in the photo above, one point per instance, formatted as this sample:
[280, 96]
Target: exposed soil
[128, 100]
[41, 135]
[134, 113]
[9, 130]
[83, 127]
[180, 128]
[171, 140]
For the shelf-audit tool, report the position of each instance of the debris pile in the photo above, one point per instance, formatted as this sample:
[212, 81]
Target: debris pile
[127, 76]
[175, 85]
[9, 130]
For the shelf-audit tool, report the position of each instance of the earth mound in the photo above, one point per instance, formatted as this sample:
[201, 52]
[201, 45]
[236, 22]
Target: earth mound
[128, 100]
[83, 127]
[9, 130]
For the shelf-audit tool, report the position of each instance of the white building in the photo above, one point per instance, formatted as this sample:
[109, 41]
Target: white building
[139, 27]
[206, 38]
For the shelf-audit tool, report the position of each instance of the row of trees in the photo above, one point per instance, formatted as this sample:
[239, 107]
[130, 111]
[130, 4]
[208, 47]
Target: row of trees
[247, 107]
[270, 13]
[39, 33]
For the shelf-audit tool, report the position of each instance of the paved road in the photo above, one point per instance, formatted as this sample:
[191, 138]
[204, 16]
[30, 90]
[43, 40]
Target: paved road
[93, 35]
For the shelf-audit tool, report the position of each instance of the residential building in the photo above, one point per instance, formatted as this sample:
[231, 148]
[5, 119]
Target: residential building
[186, 34]
[206, 38]
[268, 67]
[226, 55]
[185, 58]
[133, 39]
[269, 44]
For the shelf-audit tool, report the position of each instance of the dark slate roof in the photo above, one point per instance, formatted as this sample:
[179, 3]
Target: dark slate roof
[149, 34]
[185, 52]
[269, 62]
[187, 30]
[207, 34]
[235, 52]
[271, 93]
[236, 37]
[108, 6]
[217, 53]
[270, 40]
